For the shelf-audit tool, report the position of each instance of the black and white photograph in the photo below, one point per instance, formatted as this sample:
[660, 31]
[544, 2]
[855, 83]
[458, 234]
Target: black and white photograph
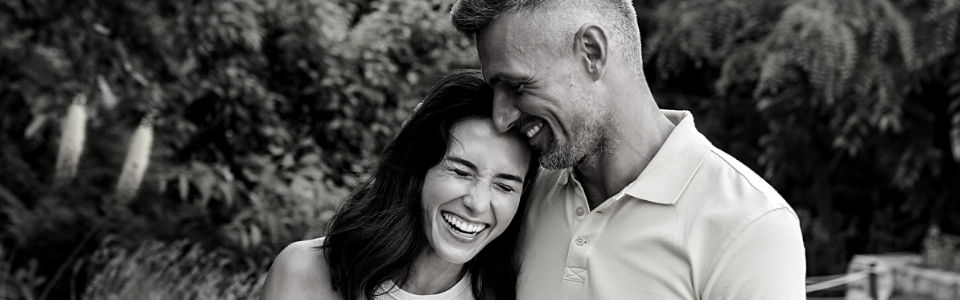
[480, 149]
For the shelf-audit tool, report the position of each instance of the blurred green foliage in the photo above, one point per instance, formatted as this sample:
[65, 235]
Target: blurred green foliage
[851, 109]
[266, 112]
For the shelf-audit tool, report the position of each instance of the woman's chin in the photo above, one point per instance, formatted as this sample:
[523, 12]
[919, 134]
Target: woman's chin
[458, 253]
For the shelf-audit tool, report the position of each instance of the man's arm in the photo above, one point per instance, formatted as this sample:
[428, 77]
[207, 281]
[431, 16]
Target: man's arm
[764, 261]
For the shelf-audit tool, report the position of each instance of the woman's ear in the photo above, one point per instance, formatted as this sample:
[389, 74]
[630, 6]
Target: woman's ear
[591, 43]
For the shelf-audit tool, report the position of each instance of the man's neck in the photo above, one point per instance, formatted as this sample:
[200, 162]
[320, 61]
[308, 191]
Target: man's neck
[632, 141]
[431, 274]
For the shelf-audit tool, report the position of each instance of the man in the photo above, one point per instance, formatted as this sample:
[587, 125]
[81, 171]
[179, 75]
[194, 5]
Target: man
[636, 203]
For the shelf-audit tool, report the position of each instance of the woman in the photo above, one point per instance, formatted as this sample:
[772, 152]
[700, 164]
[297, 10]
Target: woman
[439, 216]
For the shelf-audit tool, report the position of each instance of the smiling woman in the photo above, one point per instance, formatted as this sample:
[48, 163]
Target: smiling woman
[440, 215]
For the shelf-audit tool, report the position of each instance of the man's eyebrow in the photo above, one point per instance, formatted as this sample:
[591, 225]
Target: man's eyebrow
[501, 77]
[473, 167]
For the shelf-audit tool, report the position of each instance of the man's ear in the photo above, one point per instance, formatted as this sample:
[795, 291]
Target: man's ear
[591, 43]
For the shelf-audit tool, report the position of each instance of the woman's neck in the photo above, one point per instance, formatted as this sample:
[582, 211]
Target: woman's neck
[431, 274]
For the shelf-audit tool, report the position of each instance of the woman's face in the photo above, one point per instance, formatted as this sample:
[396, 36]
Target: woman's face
[471, 196]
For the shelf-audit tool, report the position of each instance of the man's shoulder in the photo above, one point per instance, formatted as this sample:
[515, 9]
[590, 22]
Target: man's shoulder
[727, 204]
[725, 197]
[734, 182]
[746, 174]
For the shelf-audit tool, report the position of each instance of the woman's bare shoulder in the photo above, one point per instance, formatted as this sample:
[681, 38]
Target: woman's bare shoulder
[299, 272]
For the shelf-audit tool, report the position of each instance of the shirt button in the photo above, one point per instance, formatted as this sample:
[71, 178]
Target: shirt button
[581, 241]
[579, 211]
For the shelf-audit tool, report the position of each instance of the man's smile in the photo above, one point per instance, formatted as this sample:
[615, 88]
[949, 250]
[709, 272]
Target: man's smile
[530, 128]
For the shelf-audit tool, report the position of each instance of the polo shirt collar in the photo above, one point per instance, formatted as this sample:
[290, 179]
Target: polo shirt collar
[672, 168]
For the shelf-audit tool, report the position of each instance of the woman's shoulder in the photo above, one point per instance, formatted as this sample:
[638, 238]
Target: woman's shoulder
[299, 272]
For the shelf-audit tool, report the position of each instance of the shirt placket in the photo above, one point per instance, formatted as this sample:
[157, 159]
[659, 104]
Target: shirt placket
[587, 226]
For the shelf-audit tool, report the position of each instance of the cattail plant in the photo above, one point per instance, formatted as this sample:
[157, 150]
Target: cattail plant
[72, 134]
[138, 157]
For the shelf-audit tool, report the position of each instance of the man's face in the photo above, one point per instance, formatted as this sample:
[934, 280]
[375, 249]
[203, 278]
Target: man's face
[541, 90]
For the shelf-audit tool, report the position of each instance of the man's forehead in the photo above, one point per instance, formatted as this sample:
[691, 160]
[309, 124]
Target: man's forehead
[508, 43]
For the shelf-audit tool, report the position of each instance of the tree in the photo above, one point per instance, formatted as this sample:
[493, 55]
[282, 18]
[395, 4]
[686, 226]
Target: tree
[264, 113]
[849, 108]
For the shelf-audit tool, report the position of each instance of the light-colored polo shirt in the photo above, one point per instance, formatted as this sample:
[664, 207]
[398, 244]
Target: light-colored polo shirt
[695, 224]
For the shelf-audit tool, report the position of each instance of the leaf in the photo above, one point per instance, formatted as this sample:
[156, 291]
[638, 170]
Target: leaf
[955, 135]
[311, 173]
[162, 186]
[287, 161]
[255, 235]
[35, 125]
[106, 93]
[205, 186]
[228, 191]
[274, 227]
[764, 103]
[310, 158]
[188, 66]
[244, 239]
[184, 186]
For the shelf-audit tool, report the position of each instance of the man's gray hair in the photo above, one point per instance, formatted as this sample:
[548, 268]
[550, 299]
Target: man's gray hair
[471, 17]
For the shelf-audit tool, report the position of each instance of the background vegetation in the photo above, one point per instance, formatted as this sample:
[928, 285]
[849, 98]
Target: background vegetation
[213, 133]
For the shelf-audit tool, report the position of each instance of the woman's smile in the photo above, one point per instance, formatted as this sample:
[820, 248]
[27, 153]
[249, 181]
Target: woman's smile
[462, 227]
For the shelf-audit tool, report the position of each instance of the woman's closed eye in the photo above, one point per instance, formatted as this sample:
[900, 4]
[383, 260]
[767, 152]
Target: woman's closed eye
[460, 173]
[506, 188]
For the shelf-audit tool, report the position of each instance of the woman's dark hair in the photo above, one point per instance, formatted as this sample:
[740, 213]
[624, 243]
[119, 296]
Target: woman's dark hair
[378, 232]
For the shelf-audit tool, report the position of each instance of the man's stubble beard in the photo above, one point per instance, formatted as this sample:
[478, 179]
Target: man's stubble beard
[586, 143]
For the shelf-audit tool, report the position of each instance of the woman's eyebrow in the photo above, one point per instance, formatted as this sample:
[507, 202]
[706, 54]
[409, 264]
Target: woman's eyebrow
[462, 161]
[510, 177]
[473, 167]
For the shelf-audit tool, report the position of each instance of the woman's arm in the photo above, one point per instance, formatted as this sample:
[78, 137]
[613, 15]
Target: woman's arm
[299, 272]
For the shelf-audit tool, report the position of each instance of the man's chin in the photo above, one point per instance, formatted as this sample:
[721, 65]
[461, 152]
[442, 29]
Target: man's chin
[558, 157]
[556, 161]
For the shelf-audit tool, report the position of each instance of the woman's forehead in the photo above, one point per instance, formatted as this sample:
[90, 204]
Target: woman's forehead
[478, 141]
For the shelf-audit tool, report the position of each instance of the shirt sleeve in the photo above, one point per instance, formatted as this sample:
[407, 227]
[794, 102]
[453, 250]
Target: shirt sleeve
[764, 261]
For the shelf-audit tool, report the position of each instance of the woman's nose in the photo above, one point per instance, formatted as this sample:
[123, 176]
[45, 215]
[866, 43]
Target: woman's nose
[478, 198]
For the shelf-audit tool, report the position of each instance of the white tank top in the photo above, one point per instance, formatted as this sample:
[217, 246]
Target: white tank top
[459, 291]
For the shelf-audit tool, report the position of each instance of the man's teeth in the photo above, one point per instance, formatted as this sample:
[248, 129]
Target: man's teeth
[533, 131]
[463, 225]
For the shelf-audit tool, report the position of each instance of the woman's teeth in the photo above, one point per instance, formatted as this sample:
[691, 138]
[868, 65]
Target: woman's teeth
[533, 131]
[463, 225]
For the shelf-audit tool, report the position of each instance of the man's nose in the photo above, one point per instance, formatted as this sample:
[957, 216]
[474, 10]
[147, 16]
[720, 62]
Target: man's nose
[505, 112]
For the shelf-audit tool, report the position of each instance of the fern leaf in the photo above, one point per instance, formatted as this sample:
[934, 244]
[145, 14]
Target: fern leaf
[697, 43]
[850, 53]
[879, 40]
[773, 65]
[857, 15]
[955, 132]
[865, 83]
[953, 90]
[904, 34]
[941, 10]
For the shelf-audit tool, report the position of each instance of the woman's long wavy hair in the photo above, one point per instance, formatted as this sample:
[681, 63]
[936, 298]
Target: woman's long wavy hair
[378, 232]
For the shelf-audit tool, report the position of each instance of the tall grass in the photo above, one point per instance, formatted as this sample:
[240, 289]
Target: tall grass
[179, 270]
